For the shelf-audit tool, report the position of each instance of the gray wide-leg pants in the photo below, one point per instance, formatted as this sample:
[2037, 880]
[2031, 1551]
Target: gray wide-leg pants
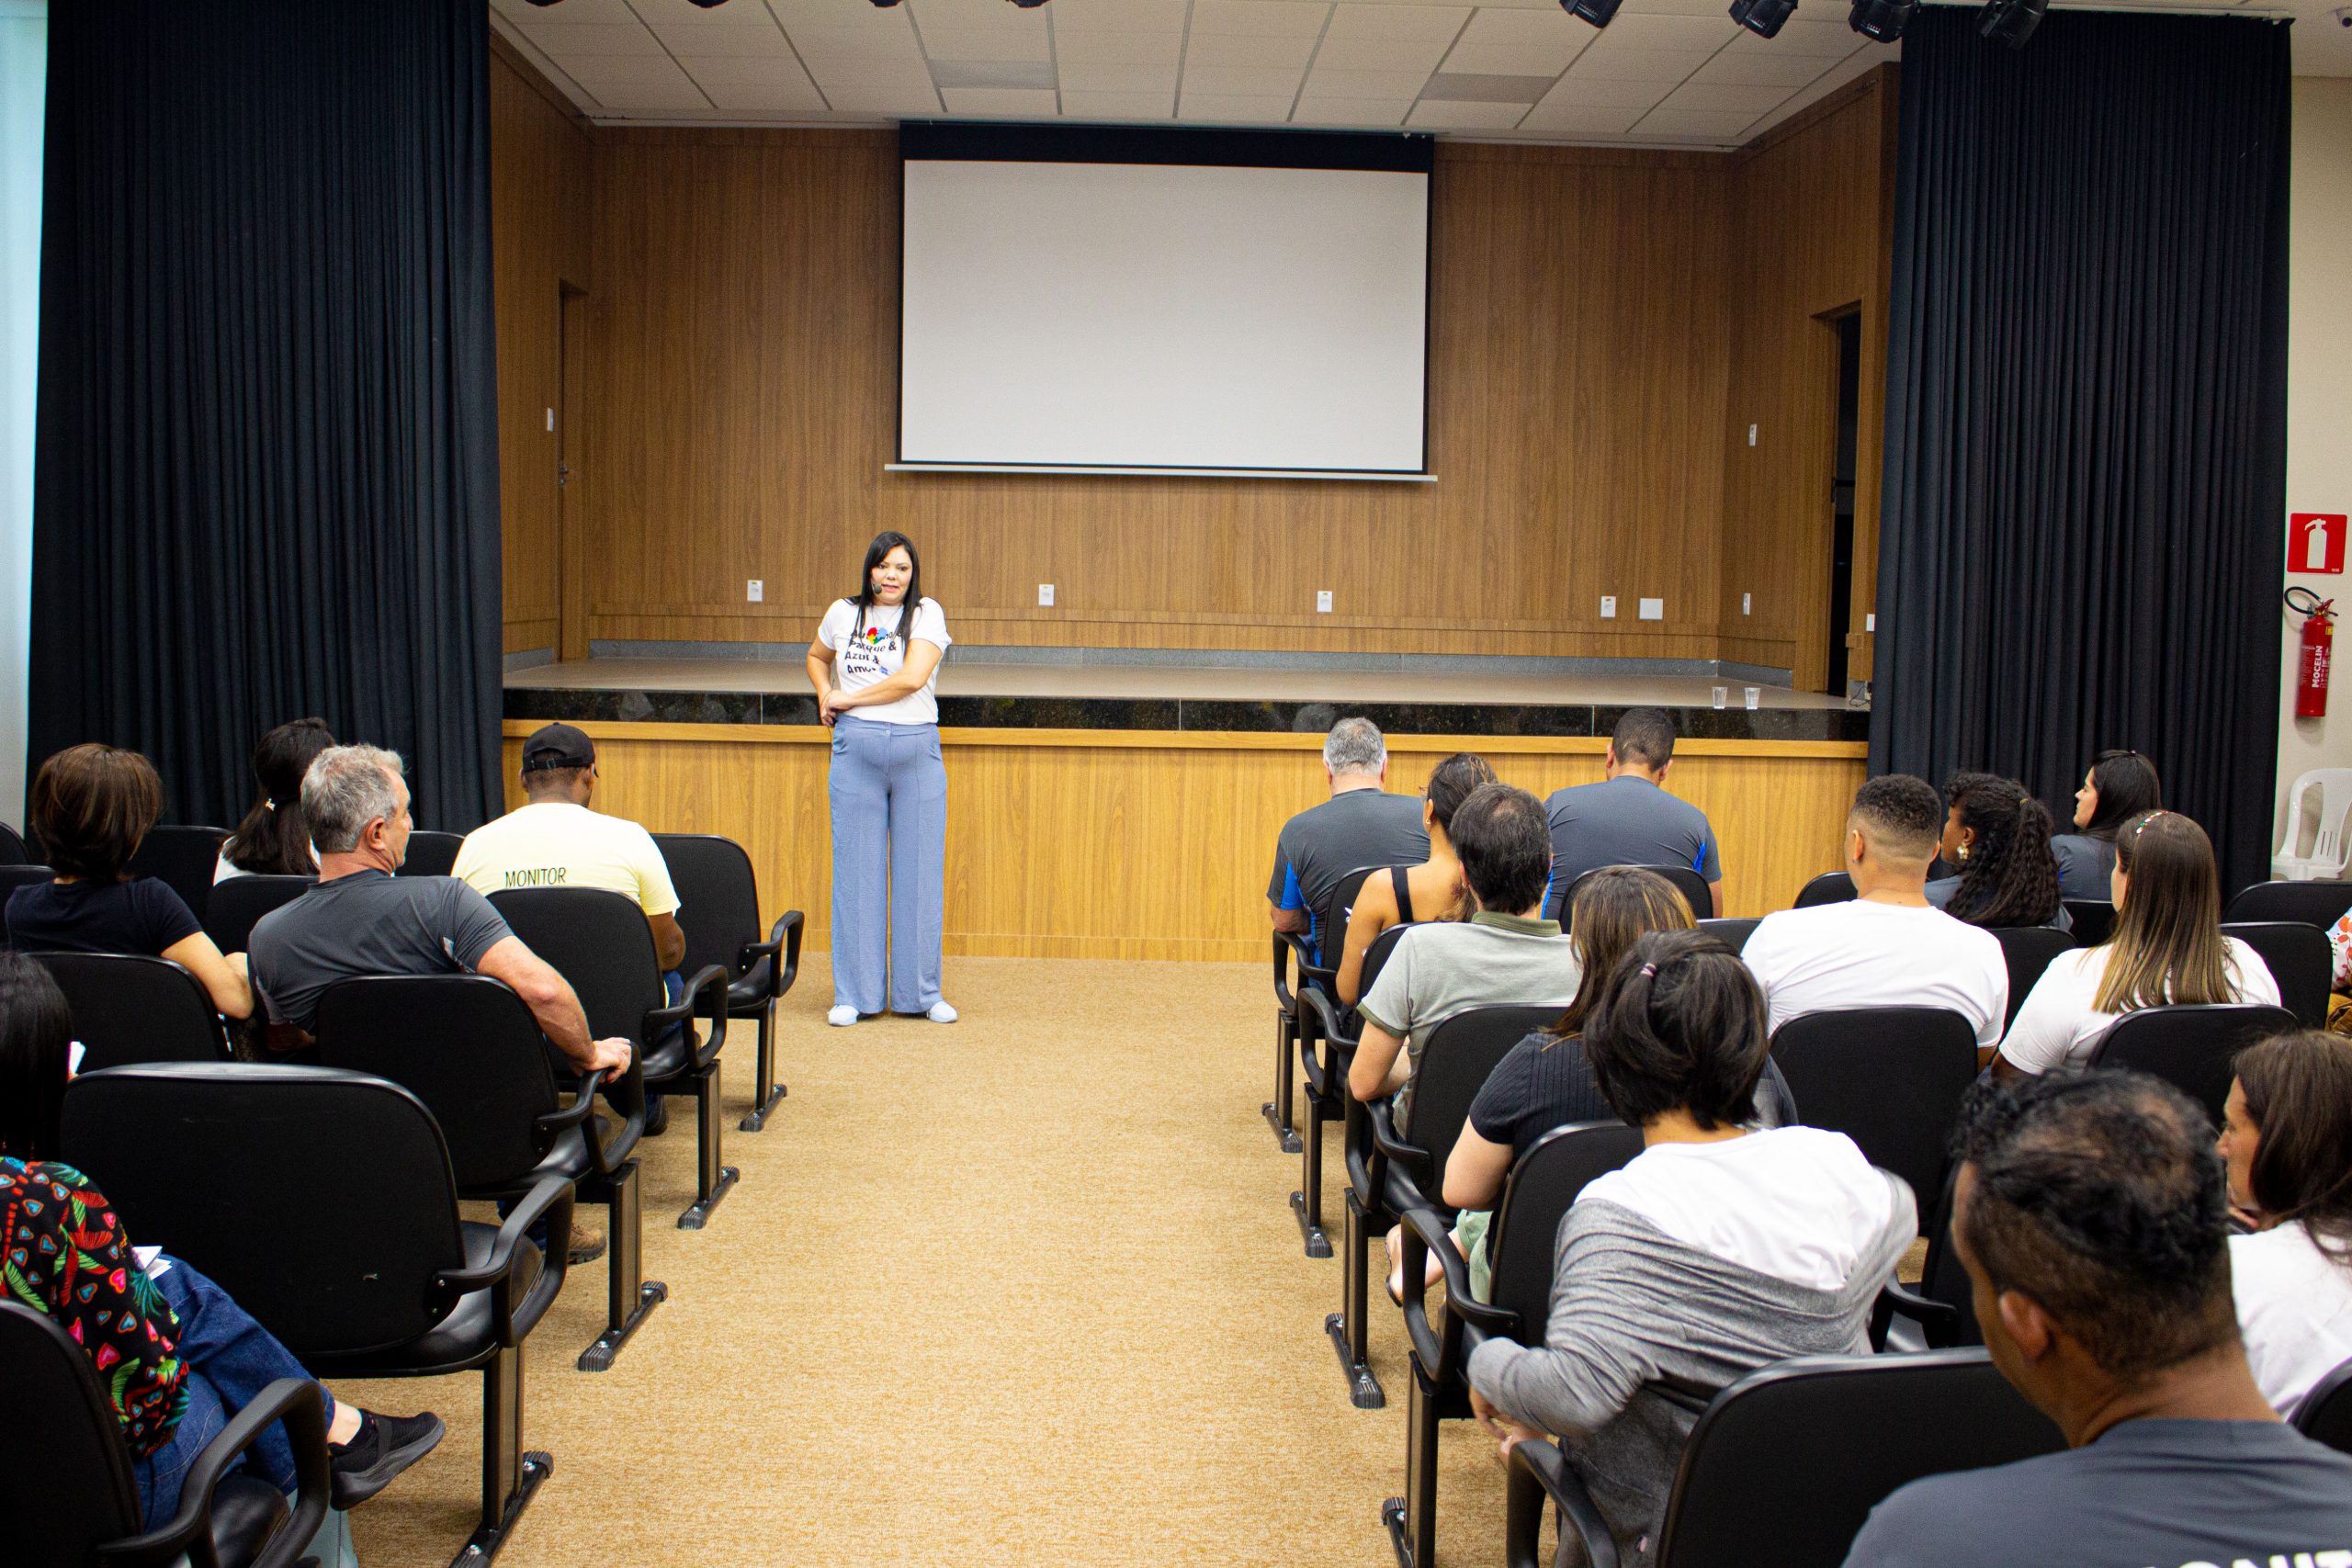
[889, 789]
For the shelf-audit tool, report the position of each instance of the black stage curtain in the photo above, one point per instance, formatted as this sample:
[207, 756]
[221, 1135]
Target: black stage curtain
[267, 464]
[2085, 432]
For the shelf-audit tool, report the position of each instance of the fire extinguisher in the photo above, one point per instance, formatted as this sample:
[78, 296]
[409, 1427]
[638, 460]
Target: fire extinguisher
[2318, 651]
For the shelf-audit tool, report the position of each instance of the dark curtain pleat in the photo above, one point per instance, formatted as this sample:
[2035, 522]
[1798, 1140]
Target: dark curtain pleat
[267, 470]
[2085, 437]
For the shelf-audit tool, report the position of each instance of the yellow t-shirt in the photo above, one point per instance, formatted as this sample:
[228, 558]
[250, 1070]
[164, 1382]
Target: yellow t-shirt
[557, 844]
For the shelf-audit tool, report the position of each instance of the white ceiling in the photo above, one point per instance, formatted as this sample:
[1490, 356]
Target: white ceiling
[1664, 73]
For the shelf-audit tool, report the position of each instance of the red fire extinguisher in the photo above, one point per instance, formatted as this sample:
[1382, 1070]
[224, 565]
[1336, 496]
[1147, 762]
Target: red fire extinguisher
[2318, 652]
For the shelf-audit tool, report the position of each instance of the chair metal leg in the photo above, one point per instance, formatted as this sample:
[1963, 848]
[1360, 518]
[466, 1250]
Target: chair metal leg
[1277, 1110]
[510, 1477]
[1307, 1204]
[629, 1295]
[711, 1179]
[766, 1090]
[1412, 1518]
[1346, 1326]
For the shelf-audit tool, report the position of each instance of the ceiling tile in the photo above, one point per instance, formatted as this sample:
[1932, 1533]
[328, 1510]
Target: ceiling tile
[1381, 54]
[1567, 120]
[993, 73]
[1026, 102]
[1727, 97]
[1676, 8]
[1118, 105]
[1244, 80]
[1117, 15]
[1713, 125]
[1244, 109]
[645, 99]
[1087, 77]
[1420, 24]
[1242, 49]
[1761, 68]
[832, 16]
[607, 11]
[1351, 111]
[1119, 48]
[987, 43]
[837, 76]
[1490, 29]
[600, 73]
[991, 14]
[1633, 66]
[1453, 86]
[576, 41]
[862, 99]
[1267, 18]
[1507, 60]
[681, 13]
[1326, 83]
[1576, 92]
[897, 43]
[1667, 34]
[767, 97]
[1799, 36]
[1436, 114]
[742, 70]
[761, 39]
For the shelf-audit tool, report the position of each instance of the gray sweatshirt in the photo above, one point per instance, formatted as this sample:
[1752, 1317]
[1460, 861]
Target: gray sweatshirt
[1631, 1306]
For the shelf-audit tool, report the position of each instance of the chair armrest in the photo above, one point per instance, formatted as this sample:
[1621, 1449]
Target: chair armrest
[297, 1403]
[784, 937]
[1427, 1234]
[1411, 1160]
[552, 1199]
[1330, 1016]
[1286, 946]
[1938, 1321]
[1538, 1473]
[572, 1115]
[709, 980]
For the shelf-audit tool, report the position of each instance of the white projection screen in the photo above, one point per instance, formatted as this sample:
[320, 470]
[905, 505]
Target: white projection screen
[1117, 312]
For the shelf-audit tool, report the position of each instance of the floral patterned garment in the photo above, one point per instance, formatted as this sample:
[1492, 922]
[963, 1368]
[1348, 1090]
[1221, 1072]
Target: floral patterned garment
[67, 1258]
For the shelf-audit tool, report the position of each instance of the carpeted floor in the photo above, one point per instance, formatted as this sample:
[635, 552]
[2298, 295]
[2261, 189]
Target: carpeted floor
[1022, 1289]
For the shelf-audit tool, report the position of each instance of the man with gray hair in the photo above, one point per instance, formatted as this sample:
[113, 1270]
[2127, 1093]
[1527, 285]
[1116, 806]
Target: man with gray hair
[1360, 825]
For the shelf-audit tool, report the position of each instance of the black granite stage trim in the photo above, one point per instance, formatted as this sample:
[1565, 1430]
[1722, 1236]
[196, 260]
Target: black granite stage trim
[1159, 713]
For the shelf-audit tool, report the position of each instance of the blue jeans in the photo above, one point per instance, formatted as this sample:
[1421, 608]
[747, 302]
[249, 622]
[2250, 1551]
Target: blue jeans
[231, 1359]
[889, 789]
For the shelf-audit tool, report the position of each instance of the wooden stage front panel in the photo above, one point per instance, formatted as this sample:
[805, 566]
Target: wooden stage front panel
[1140, 845]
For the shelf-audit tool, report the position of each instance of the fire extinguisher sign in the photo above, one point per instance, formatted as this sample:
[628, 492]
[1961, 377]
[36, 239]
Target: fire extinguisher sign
[2315, 542]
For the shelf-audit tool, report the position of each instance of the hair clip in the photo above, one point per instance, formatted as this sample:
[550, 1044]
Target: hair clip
[1649, 970]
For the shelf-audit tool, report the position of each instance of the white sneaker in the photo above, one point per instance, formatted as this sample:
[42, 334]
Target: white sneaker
[941, 1013]
[841, 1017]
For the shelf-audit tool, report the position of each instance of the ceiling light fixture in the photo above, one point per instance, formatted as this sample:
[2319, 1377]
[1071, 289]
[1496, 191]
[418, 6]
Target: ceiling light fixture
[1600, 13]
[543, 2]
[886, 5]
[710, 5]
[1762, 17]
[1882, 21]
[1028, 4]
[2012, 21]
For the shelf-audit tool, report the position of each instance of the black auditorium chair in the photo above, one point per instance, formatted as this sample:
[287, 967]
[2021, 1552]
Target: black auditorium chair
[2028, 951]
[323, 1202]
[68, 1492]
[1829, 887]
[236, 906]
[2093, 918]
[719, 911]
[2299, 958]
[1940, 1313]
[1543, 1183]
[12, 847]
[1687, 882]
[2326, 1413]
[2190, 1047]
[2317, 904]
[1733, 932]
[1890, 1078]
[182, 859]
[469, 1049]
[129, 1008]
[1294, 955]
[430, 853]
[14, 876]
[1798, 1454]
[1320, 1049]
[600, 942]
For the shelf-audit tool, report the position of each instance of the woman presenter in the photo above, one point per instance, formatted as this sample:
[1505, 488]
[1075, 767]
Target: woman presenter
[874, 664]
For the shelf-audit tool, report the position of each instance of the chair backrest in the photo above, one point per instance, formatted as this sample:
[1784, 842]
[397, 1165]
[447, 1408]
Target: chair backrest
[465, 1045]
[2326, 1413]
[2317, 904]
[1331, 919]
[1687, 882]
[65, 1481]
[2299, 958]
[2093, 919]
[1799, 1453]
[129, 1008]
[236, 906]
[14, 876]
[2330, 791]
[430, 853]
[1454, 1064]
[600, 942]
[1890, 1078]
[1829, 887]
[1942, 1277]
[322, 1201]
[2028, 951]
[182, 859]
[719, 898]
[12, 847]
[1549, 1177]
[1375, 957]
[1732, 933]
[2190, 1047]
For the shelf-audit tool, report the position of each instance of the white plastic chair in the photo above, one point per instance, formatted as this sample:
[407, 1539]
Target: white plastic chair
[2331, 853]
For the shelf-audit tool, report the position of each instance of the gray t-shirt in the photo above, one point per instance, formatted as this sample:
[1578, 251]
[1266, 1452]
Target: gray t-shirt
[368, 923]
[1353, 828]
[2084, 865]
[2145, 1494]
[1442, 968]
[1627, 820]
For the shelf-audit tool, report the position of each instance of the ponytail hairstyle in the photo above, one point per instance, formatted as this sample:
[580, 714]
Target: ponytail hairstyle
[2298, 1088]
[34, 1030]
[1679, 1026]
[1615, 908]
[2009, 878]
[884, 543]
[2127, 786]
[1451, 784]
[2167, 946]
[274, 840]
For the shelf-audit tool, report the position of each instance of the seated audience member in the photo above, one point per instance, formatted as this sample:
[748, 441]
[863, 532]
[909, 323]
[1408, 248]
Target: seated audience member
[2120, 786]
[1432, 890]
[1887, 946]
[2167, 949]
[1360, 825]
[273, 841]
[91, 806]
[2287, 1145]
[2091, 1218]
[1506, 955]
[176, 1357]
[1999, 837]
[1715, 1251]
[1628, 819]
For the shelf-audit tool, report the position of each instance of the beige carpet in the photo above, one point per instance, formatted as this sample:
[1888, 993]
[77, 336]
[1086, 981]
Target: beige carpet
[1021, 1290]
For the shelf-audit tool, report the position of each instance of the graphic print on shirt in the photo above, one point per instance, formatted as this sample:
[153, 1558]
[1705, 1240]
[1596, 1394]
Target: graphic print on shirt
[873, 654]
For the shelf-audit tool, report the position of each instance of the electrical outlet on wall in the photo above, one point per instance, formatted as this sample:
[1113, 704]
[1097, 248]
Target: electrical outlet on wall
[1747, 603]
[1322, 601]
[1044, 596]
[1870, 622]
[1751, 435]
[1653, 609]
[754, 589]
[1609, 606]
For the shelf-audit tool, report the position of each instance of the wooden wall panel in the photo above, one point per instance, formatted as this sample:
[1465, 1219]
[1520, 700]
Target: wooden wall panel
[1129, 845]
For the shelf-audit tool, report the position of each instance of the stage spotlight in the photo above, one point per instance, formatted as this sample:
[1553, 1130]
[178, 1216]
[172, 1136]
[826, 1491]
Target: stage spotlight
[1882, 21]
[1762, 17]
[544, 1]
[2012, 21]
[1028, 4]
[710, 5]
[886, 5]
[1600, 13]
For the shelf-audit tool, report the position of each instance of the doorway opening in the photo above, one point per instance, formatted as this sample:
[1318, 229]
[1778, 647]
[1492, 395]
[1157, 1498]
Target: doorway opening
[1848, 328]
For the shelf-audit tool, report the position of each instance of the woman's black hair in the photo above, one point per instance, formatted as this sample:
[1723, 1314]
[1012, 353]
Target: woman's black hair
[35, 1029]
[884, 543]
[2127, 785]
[2010, 878]
[1452, 782]
[1678, 1027]
[273, 840]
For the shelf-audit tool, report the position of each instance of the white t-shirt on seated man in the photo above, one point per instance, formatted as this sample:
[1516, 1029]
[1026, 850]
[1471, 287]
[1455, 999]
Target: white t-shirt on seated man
[874, 651]
[1888, 946]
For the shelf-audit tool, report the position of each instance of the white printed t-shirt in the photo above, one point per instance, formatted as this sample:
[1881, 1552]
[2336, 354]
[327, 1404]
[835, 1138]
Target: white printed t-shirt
[2057, 1027]
[861, 657]
[1865, 954]
[553, 843]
